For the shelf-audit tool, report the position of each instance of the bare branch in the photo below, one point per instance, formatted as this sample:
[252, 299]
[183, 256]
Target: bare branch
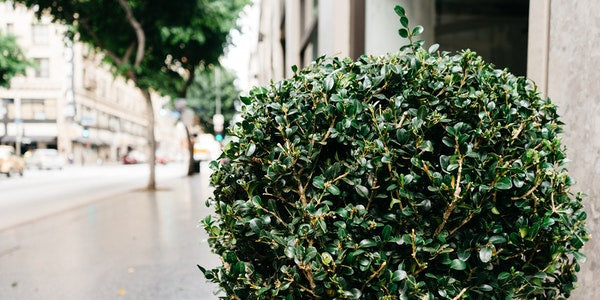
[139, 32]
[189, 81]
[457, 191]
[128, 52]
[462, 292]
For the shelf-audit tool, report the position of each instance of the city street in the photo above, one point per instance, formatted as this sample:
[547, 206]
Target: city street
[94, 232]
[43, 192]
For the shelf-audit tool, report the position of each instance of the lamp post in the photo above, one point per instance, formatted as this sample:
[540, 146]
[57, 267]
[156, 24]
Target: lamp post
[218, 118]
[18, 125]
[3, 116]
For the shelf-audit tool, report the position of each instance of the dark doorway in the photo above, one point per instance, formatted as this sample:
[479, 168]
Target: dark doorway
[495, 29]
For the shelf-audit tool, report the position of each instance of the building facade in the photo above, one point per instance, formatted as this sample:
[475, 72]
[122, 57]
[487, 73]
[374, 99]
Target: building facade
[295, 32]
[71, 101]
[553, 42]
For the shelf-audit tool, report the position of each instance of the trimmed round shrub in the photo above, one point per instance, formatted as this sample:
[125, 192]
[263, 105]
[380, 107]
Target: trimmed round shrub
[421, 174]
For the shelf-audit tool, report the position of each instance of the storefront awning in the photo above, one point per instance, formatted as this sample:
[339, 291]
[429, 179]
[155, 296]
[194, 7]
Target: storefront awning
[28, 139]
[95, 142]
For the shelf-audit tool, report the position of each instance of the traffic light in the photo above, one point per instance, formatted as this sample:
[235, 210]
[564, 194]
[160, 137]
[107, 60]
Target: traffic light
[85, 132]
[218, 122]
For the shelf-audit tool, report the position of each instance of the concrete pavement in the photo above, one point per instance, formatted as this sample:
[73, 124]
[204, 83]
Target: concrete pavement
[137, 245]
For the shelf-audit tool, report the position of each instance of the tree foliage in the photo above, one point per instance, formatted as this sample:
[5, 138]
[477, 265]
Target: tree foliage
[415, 175]
[212, 82]
[12, 60]
[155, 43]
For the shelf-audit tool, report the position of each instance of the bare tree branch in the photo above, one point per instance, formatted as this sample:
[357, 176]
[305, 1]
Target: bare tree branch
[139, 32]
[189, 81]
[128, 52]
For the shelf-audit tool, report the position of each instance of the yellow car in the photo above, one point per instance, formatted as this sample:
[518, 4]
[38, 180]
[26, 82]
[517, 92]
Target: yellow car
[10, 163]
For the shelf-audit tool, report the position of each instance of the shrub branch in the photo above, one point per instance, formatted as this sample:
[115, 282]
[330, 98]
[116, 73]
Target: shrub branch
[457, 191]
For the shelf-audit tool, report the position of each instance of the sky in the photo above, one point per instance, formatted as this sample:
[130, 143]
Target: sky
[237, 56]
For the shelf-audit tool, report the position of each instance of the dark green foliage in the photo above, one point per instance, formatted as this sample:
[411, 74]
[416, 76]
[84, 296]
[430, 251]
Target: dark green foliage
[202, 95]
[415, 175]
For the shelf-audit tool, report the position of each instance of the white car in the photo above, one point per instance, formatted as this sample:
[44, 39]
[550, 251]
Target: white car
[206, 148]
[46, 159]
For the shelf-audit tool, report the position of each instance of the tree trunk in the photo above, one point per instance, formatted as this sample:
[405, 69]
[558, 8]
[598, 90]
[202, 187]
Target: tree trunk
[151, 140]
[190, 145]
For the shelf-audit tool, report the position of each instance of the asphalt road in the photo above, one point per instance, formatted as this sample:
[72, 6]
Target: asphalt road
[98, 234]
[40, 193]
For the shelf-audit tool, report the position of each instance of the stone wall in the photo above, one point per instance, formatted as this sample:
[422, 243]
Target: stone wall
[564, 60]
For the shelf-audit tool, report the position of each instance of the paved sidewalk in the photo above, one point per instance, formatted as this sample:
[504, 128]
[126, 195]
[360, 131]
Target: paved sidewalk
[138, 245]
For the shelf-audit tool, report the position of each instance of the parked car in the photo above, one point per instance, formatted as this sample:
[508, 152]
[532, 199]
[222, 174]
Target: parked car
[134, 157]
[10, 163]
[206, 148]
[160, 158]
[46, 159]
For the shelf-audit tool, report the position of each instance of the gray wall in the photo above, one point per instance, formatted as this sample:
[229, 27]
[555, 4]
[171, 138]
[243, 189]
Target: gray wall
[564, 60]
[382, 24]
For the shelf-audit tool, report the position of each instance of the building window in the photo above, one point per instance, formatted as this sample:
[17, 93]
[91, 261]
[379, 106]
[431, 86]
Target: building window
[10, 28]
[495, 29]
[114, 124]
[34, 110]
[42, 69]
[40, 34]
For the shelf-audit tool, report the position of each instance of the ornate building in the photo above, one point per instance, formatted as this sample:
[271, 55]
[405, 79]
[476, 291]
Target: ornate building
[71, 101]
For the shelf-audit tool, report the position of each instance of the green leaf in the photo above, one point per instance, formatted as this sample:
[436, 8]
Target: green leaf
[503, 183]
[399, 10]
[580, 257]
[403, 32]
[464, 255]
[399, 275]
[289, 252]
[239, 268]
[426, 146]
[251, 149]
[417, 30]
[355, 293]
[255, 224]
[329, 83]
[444, 162]
[326, 258]
[386, 159]
[294, 68]
[433, 48]
[362, 191]
[404, 21]
[367, 243]
[458, 264]
[334, 190]
[256, 201]
[504, 276]
[319, 182]
[523, 231]
[485, 254]
[245, 100]
[486, 288]
[386, 232]
[497, 239]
